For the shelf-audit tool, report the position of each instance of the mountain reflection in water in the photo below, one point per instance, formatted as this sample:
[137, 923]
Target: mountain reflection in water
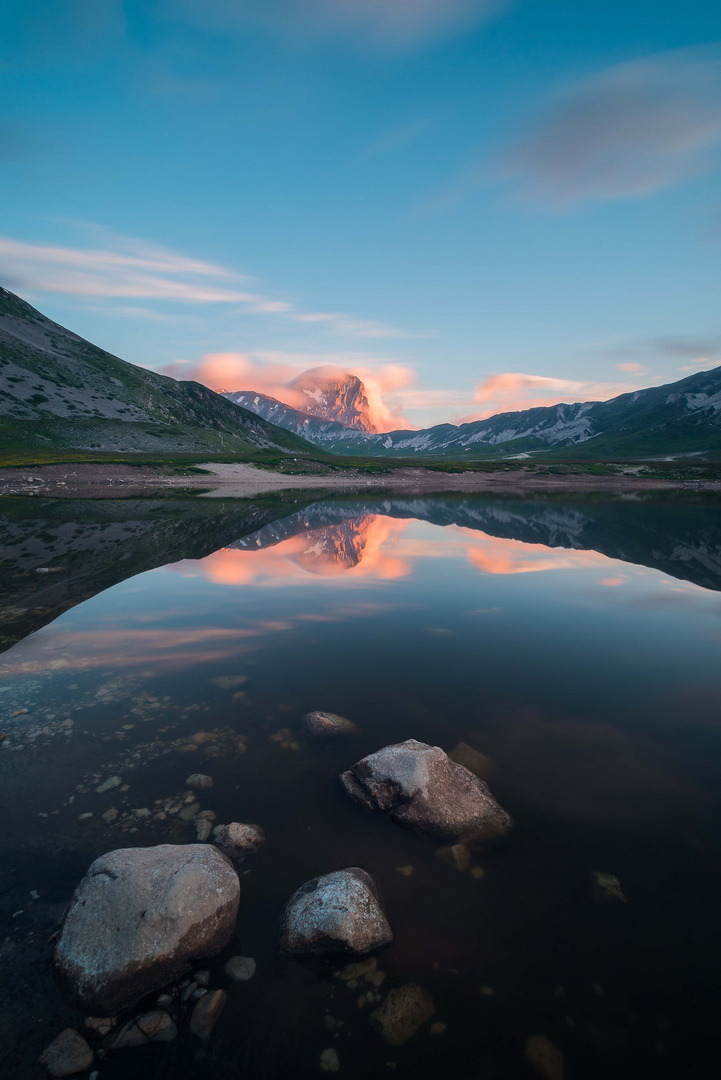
[499, 538]
[573, 643]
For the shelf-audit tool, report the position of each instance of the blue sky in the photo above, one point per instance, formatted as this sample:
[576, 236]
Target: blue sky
[474, 205]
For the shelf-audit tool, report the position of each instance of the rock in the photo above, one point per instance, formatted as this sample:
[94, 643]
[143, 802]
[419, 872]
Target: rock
[239, 839]
[153, 1026]
[199, 780]
[607, 888]
[67, 1054]
[101, 1025]
[202, 977]
[240, 968]
[471, 759]
[110, 815]
[458, 856]
[109, 784]
[206, 1012]
[438, 1028]
[142, 812]
[359, 970]
[545, 1057]
[418, 785]
[338, 912]
[329, 1060]
[188, 812]
[327, 724]
[138, 919]
[402, 1013]
[203, 829]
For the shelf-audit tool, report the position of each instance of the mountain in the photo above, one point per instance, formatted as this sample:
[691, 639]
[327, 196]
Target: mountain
[332, 395]
[56, 389]
[313, 428]
[679, 418]
[329, 406]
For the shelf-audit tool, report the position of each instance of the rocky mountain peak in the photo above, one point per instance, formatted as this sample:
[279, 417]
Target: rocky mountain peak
[333, 395]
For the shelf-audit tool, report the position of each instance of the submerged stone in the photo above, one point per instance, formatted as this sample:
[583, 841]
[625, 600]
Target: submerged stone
[335, 913]
[418, 785]
[327, 724]
[139, 918]
[402, 1013]
[472, 759]
[240, 839]
[199, 781]
[240, 968]
[206, 1013]
[153, 1026]
[546, 1058]
[607, 889]
[67, 1054]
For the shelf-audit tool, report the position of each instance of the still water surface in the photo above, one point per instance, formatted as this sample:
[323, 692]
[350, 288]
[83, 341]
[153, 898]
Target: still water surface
[575, 644]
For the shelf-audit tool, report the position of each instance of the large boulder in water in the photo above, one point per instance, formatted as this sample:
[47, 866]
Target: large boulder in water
[418, 785]
[138, 919]
[335, 913]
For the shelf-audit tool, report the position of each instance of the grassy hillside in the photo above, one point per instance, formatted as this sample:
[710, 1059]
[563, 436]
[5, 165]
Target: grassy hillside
[59, 391]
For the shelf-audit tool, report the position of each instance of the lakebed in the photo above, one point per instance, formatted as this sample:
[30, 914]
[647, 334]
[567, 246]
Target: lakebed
[572, 644]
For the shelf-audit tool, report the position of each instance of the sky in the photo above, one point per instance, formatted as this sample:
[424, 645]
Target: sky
[475, 205]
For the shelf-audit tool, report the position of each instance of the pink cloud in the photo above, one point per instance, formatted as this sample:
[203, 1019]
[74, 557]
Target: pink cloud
[516, 391]
[630, 367]
[272, 376]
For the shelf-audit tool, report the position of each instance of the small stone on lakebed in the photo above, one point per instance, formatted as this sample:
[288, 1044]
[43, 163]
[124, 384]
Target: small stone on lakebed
[67, 1054]
[199, 780]
[328, 724]
[403, 1012]
[237, 838]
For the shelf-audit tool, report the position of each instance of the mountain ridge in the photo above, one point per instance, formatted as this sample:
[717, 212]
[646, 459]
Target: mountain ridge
[57, 388]
[682, 417]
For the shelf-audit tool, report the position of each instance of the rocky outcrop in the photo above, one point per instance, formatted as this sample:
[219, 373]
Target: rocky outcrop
[327, 724]
[239, 839]
[419, 786]
[335, 913]
[138, 919]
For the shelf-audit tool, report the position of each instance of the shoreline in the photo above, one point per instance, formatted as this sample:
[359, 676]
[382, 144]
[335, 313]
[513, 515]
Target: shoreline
[239, 480]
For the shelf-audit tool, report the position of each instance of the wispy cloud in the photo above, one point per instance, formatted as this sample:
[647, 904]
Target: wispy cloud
[632, 129]
[128, 268]
[515, 391]
[386, 24]
[696, 350]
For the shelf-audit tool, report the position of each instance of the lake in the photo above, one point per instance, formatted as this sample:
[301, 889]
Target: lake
[575, 643]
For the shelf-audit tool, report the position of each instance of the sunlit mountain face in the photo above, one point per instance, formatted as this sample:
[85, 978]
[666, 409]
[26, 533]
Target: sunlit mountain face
[333, 395]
